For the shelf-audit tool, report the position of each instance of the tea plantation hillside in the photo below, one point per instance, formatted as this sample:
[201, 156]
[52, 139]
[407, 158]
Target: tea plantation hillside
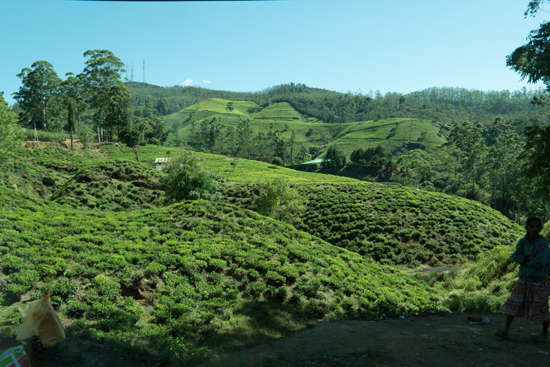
[228, 110]
[183, 277]
[233, 169]
[396, 134]
[395, 224]
[389, 223]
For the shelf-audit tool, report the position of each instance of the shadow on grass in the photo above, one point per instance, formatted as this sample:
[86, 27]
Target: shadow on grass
[251, 324]
[256, 322]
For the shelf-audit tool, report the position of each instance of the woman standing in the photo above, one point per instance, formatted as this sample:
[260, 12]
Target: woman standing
[529, 298]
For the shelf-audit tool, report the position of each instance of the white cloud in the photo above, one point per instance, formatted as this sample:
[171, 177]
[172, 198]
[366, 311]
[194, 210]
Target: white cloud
[207, 81]
[187, 82]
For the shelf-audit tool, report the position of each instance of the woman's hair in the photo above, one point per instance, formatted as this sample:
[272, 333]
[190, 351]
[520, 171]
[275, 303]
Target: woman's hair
[532, 219]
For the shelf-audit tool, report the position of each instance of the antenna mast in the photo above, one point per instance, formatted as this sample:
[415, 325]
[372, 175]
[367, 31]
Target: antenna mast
[132, 77]
[143, 71]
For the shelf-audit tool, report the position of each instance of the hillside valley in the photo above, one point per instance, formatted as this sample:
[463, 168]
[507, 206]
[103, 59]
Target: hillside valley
[177, 281]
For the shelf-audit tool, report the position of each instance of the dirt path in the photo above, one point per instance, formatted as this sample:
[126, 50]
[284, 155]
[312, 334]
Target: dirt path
[447, 340]
[436, 340]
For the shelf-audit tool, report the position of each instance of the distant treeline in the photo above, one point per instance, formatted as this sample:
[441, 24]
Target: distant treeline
[443, 105]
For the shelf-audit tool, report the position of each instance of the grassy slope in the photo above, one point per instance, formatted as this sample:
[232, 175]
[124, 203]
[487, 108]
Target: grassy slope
[391, 134]
[197, 266]
[244, 171]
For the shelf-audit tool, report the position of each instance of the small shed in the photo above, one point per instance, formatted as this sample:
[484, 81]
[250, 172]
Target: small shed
[161, 162]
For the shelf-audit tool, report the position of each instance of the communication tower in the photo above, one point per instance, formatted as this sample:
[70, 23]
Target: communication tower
[132, 75]
[143, 71]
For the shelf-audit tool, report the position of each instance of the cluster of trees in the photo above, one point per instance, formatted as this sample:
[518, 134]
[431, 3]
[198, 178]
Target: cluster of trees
[334, 158]
[372, 157]
[215, 135]
[495, 161]
[96, 97]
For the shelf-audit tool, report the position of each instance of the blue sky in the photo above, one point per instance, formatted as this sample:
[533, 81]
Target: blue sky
[343, 45]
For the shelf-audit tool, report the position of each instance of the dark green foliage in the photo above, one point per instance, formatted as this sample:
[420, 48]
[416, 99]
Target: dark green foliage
[371, 157]
[186, 179]
[334, 158]
[277, 161]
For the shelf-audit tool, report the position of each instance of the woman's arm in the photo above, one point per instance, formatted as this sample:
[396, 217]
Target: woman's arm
[517, 256]
[541, 258]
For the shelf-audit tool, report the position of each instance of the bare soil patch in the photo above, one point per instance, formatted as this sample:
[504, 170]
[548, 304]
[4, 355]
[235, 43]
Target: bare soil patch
[435, 340]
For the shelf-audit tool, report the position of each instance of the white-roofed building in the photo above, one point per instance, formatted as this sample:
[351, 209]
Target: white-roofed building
[161, 162]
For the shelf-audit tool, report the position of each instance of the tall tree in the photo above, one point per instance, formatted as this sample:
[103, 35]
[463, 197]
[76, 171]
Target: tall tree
[280, 146]
[130, 136]
[531, 62]
[118, 111]
[71, 119]
[291, 143]
[244, 137]
[72, 88]
[102, 77]
[40, 87]
[468, 139]
[86, 136]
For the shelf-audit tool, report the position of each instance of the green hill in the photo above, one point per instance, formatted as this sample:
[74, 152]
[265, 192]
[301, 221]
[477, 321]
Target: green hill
[390, 223]
[189, 272]
[395, 224]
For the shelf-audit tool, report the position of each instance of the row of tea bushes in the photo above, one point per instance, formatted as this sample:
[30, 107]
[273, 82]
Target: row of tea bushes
[394, 224]
[233, 169]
